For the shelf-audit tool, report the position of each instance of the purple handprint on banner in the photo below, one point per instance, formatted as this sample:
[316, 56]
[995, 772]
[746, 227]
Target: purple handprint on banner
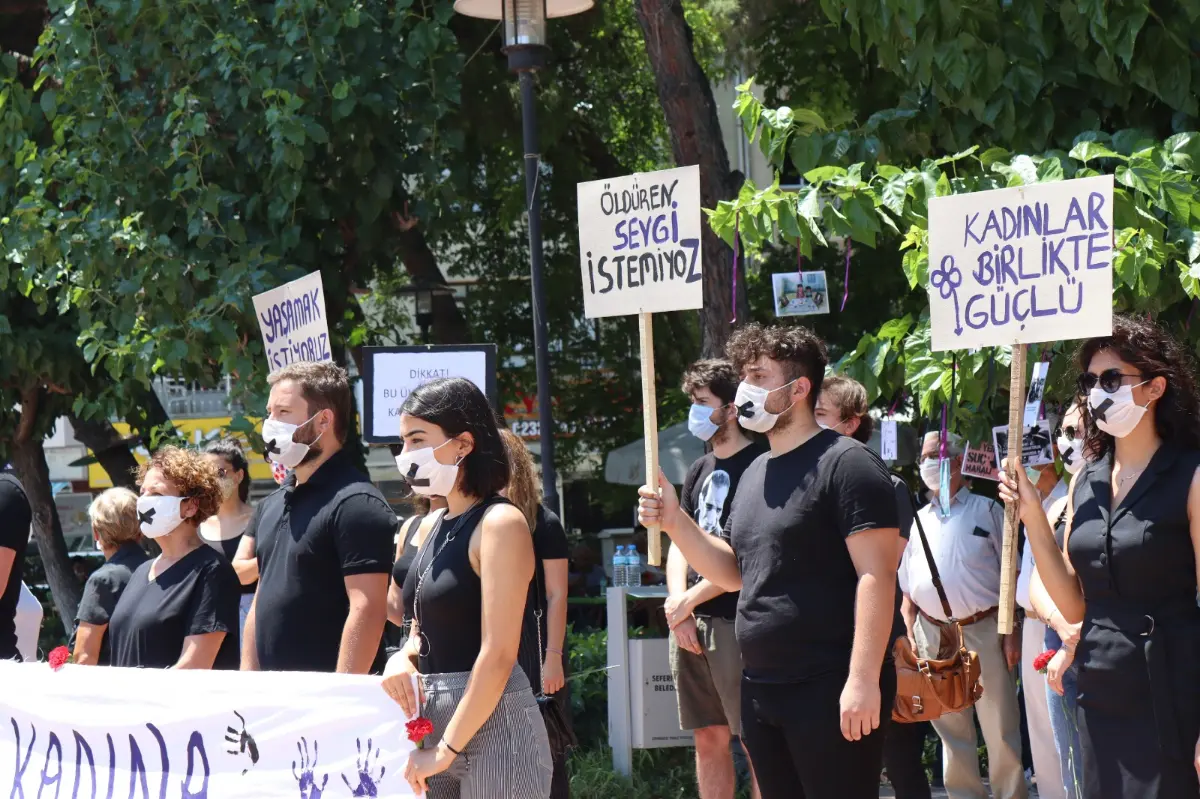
[367, 784]
[946, 279]
[306, 778]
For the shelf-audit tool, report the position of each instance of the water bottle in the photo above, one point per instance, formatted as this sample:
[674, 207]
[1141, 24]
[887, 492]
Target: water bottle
[618, 567]
[633, 567]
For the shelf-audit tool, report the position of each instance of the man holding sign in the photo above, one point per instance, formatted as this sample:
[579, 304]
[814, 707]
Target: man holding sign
[811, 542]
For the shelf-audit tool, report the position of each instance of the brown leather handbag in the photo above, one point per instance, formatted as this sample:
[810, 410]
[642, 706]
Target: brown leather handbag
[928, 688]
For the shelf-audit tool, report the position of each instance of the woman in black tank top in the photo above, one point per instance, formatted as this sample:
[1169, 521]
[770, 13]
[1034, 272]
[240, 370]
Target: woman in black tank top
[412, 532]
[465, 592]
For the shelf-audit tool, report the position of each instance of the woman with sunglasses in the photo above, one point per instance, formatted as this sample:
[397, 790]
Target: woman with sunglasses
[465, 593]
[1129, 570]
[225, 531]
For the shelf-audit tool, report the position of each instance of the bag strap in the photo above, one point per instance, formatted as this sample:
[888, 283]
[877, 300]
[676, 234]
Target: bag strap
[933, 569]
[539, 612]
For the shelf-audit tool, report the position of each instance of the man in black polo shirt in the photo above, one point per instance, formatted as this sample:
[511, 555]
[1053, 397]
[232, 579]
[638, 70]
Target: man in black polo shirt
[16, 516]
[324, 540]
[811, 544]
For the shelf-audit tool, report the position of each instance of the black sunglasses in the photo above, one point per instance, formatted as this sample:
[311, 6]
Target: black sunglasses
[1109, 380]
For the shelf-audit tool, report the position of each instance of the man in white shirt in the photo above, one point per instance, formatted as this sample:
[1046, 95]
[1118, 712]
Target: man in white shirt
[966, 543]
[1046, 765]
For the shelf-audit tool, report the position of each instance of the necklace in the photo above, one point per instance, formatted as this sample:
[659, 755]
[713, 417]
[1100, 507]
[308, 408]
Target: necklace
[423, 640]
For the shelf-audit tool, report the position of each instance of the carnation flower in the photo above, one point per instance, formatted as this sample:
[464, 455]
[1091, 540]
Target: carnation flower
[59, 657]
[418, 728]
[1042, 661]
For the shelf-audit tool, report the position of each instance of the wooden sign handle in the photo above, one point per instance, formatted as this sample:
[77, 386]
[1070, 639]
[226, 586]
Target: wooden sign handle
[1016, 446]
[650, 427]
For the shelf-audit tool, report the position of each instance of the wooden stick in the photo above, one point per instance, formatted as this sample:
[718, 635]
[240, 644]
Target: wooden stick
[1016, 451]
[650, 427]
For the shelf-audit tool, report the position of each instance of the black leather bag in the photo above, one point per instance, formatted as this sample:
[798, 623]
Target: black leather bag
[554, 711]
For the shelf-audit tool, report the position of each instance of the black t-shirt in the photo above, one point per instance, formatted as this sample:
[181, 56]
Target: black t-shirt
[103, 590]
[788, 526]
[15, 520]
[309, 538]
[707, 496]
[196, 595]
[549, 543]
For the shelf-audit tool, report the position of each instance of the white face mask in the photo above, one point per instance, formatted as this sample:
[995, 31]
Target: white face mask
[1071, 451]
[931, 473]
[1116, 414]
[834, 428]
[700, 423]
[424, 474]
[751, 402]
[99, 546]
[158, 516]
[281, 448]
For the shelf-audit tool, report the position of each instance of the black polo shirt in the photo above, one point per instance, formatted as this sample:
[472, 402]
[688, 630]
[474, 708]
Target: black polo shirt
[16, 516]
[308, 539]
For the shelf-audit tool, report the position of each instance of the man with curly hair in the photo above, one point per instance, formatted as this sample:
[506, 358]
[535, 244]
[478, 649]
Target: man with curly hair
[811, 543]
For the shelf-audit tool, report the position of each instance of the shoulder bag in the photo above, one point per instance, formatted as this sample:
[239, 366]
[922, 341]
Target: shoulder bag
[929, 688]
[559, 729]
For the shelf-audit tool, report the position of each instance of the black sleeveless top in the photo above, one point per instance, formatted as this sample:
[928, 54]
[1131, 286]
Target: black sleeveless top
[450, 606]
[407, 555]
[1139, 650]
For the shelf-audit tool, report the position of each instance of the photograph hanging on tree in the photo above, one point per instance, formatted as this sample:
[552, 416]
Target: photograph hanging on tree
[800, 293]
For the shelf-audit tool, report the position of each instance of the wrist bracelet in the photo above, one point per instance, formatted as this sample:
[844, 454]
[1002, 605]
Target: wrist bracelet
[555, 651]
[451, 748]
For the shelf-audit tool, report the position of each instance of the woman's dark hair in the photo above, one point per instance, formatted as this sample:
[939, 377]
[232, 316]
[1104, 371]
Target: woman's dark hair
[1153, 353]
[457, 406]
[231, 451]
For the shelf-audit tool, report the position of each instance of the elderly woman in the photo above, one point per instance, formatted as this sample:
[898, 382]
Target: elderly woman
[179, 610]
[114, 520]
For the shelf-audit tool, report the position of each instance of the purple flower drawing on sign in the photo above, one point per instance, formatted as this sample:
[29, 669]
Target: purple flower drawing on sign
[946, 279]
[306, 778]
[367, 784]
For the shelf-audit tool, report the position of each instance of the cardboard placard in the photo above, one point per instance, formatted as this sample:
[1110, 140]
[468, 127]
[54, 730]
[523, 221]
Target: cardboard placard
[391, 373]
[293, 322]
[639, 243]
[1026, 264]
[1036, 449]
[800, 293]
[979, 461]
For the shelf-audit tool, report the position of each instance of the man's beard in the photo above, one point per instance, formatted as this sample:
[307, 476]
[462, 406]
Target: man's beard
[786, 419]
[724, 433]
[314, 452]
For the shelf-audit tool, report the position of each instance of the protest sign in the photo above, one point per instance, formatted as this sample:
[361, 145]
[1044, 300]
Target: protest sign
[110, 733]
[293, 323]
[800, 293]
[1037, 393]
[639, 252]
[391, 373]
[1035, 450]
[980, 461]
[888, 449]
[639, 243]
[1026, 264]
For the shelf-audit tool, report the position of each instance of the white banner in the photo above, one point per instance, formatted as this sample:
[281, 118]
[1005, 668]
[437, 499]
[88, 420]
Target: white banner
[639, 243]
[1026, 264]
[107, 733]
[293, 323]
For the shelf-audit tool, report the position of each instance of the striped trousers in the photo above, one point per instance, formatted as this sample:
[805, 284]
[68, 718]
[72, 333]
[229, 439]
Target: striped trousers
[509, 758]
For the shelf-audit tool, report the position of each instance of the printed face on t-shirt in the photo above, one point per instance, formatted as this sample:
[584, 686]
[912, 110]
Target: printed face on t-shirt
[713, 494]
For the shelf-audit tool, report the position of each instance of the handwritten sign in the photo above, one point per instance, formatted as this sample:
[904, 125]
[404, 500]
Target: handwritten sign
[1027, 264]
[639, 243]
[180, 734]
[888, 449]
[1037, 392]
[1036, 449]
[293, 323]
[800, 293]
[391, 373]
[980, 461]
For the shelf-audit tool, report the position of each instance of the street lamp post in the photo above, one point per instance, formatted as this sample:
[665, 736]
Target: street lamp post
[423, 296]
[524, 24]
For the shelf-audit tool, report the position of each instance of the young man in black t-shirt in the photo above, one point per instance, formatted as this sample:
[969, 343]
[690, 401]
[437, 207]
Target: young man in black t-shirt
[811, 543]
[705, 661]
[16, 516]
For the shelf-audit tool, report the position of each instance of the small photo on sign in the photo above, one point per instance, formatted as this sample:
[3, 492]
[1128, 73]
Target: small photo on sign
[1036, 451]
[800, 293]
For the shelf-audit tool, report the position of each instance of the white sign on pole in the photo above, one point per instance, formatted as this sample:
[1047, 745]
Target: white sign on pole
[179, 734]
[887, 440]
[639, 243]
[391, 373]
[1037, 392]
[1035, 448]
[1026, 264]
[293, 323]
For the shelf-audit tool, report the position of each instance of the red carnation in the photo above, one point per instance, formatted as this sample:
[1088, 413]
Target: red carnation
[59, 657]
[1042, 661]
[418, 728]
